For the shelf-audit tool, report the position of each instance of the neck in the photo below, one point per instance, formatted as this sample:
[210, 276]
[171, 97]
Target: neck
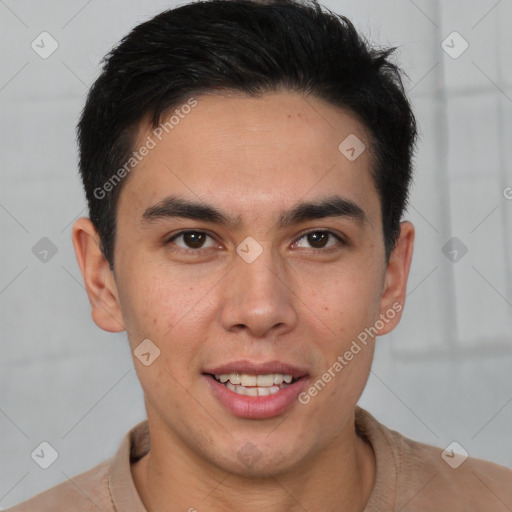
[341, 475]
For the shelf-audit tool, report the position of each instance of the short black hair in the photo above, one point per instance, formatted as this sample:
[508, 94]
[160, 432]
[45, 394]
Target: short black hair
[252, 47]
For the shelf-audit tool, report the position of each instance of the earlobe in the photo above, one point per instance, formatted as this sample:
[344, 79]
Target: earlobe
[395, 281]
[98, 278]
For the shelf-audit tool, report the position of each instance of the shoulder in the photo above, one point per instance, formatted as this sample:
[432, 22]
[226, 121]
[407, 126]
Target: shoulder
[417, 477]
[107, 486]
[86, 492]
[432, 478]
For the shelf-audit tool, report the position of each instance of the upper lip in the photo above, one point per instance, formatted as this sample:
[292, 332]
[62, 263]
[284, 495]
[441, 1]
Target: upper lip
[258, 368]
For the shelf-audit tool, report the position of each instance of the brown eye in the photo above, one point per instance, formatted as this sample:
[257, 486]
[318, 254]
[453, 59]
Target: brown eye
[191, 239]
[320, 239]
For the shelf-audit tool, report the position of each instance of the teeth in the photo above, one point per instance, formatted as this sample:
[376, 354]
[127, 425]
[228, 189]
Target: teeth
[278, 378]
[248, 380]
[254, 391]
[266, 381]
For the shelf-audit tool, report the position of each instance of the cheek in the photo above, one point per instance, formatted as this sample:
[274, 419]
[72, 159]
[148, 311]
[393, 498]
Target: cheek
[169, 312]
[156, 303]
[156, 312]
[345, 302]
[144, 308]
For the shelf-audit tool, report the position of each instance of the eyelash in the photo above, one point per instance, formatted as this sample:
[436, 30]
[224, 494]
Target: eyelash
[329, 249]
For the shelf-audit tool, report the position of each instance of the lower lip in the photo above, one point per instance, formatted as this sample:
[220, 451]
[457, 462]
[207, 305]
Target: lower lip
[256, 407]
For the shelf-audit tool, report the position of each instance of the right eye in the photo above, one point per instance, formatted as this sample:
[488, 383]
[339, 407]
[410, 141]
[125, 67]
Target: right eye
[192, 240]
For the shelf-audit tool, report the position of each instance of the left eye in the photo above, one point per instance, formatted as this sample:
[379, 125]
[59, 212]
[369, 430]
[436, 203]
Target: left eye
[318, 239]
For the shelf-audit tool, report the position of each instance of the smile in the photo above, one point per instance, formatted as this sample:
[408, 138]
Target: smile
[255, 385]
[255, 401]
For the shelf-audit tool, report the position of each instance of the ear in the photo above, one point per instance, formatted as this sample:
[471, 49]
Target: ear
[98, 278]
[395, 281]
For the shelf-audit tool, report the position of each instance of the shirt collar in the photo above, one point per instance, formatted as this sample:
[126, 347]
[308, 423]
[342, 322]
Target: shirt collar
[135, 445]
[384, 445]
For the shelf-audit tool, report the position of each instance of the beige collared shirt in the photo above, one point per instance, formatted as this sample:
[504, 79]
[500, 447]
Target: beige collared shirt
[410, 477]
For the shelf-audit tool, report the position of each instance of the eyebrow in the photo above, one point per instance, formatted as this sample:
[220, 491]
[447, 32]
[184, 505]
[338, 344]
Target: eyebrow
[333, 206]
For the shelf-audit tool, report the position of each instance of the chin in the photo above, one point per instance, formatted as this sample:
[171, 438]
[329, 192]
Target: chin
[247, 458]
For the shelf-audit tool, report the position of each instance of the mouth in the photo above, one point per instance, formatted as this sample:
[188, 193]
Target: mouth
[255, 385]
[255, 390]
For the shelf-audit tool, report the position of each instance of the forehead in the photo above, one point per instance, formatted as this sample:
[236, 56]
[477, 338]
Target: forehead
[252, 155]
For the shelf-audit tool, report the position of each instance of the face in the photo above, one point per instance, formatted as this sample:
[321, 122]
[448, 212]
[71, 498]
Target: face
[253, 282]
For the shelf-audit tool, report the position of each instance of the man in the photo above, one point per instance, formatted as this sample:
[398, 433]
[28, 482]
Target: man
[246, 166]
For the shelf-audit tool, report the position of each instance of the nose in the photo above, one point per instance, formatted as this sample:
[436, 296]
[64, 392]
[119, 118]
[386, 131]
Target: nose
[258, 297]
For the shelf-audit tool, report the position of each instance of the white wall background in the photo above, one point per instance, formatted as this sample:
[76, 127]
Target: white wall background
[444, 374]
